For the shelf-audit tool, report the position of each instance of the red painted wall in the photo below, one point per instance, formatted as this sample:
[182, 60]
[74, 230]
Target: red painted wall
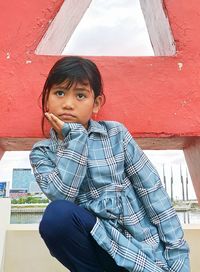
[151, 95]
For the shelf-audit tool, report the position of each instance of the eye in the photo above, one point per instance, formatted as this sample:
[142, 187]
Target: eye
[80, 96]
[60, 93]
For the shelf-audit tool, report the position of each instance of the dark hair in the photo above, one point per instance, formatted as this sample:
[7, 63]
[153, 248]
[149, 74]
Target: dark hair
[74, 69]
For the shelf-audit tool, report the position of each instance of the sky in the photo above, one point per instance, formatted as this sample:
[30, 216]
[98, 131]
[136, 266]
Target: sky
[114, 27]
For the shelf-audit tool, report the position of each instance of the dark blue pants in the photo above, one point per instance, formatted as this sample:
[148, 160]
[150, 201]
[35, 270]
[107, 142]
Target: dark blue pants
[65, 229]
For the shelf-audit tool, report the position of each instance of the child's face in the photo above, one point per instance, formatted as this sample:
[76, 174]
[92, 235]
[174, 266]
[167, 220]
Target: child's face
[76, 104]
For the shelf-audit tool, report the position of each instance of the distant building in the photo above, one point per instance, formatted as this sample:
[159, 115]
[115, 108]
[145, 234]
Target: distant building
[24, 179]
[34, 188]
[3, 189]
[17, 193]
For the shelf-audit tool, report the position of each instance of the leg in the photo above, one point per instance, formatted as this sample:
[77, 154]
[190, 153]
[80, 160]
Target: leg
[65, 228]
[106, 261]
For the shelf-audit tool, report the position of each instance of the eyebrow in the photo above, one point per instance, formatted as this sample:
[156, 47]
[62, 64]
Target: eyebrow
[63, 88]
[82, 89]
[58, 87]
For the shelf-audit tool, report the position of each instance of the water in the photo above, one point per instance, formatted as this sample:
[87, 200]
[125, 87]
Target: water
[190, 217]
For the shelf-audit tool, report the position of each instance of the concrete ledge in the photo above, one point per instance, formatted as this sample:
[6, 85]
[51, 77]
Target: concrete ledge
[26, 250]
[192, 236]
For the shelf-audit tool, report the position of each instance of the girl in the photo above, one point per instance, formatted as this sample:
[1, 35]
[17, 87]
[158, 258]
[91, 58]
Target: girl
[109, 210]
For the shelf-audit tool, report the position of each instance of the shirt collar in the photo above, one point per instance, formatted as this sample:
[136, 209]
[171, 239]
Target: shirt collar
[96, 127]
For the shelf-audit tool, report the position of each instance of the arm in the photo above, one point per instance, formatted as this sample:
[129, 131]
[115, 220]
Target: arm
[157, 204]
[60, 172]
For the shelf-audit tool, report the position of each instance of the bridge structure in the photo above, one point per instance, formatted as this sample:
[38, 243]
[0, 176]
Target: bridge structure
[157, 98]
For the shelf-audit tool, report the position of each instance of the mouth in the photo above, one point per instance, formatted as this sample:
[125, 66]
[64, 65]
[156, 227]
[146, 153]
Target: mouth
[66, 116]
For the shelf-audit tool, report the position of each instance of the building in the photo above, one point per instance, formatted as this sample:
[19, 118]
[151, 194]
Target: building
[23, 179]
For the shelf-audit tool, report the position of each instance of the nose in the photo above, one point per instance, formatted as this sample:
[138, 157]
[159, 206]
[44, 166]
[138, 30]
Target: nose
[68, 102]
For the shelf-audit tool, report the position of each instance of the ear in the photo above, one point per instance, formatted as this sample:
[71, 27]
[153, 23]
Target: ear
[98, 102]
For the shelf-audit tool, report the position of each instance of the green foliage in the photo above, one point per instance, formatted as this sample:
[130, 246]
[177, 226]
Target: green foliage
[29, 200]
[14, 201]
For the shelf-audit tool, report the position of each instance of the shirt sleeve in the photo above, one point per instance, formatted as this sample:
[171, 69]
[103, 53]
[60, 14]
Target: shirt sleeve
[157, 204]
[60, 172]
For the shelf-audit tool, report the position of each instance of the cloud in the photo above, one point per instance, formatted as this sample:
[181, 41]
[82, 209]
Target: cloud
[13, 159]
[111, 28]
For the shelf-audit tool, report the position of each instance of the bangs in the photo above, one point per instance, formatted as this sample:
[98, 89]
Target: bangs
[67, 84]
[69, 78]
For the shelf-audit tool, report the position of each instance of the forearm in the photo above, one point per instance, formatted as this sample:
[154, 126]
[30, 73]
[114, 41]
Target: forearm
[60, 173]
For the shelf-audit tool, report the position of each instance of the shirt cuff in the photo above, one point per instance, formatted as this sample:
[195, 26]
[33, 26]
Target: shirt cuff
[69, 127]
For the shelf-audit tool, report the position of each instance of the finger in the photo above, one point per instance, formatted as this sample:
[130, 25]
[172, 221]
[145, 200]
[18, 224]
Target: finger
[55, 118]
[57, 121]
[57, 125]
[49, 118]
[47, 115]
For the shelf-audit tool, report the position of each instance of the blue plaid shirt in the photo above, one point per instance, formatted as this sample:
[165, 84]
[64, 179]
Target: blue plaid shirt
[103, 170]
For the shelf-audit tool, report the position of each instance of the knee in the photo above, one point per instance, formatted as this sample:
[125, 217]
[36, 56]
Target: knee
[57, 218]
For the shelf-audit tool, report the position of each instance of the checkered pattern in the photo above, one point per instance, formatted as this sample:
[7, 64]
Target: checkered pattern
[103, 170]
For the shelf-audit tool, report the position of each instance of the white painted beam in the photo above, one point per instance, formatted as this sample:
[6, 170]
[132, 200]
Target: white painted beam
[158, 27]
[62, 27]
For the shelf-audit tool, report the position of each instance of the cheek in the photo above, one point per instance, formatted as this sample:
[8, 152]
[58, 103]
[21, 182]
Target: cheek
[51, 103]
[51, 107]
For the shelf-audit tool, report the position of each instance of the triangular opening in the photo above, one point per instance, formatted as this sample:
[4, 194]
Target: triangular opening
[111, 28]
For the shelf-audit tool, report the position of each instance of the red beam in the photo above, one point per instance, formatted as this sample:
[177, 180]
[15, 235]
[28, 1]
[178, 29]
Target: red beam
[153, 96]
